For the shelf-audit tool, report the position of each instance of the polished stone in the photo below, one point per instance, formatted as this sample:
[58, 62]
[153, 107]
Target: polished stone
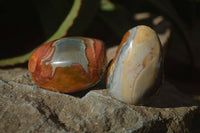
[135, 73]
[68, 64]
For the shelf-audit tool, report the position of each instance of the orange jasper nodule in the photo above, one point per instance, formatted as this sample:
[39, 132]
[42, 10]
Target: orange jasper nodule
[68, 64]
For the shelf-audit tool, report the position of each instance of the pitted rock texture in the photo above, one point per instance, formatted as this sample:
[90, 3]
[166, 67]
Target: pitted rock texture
[25, 107]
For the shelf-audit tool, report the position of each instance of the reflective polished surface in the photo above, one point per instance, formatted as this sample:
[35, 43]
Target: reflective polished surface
[135, 73]
[68, 64]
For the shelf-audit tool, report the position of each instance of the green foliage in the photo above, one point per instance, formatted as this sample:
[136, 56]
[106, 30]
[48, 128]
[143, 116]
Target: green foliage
[107, 5]
[104, 18]
[58, 34]
[77, 7]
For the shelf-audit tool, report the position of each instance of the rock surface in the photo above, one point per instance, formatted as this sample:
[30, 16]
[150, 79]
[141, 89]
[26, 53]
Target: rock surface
[25, 107]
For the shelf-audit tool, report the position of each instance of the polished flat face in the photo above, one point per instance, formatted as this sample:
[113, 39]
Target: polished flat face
[67, 52]
[133, 72]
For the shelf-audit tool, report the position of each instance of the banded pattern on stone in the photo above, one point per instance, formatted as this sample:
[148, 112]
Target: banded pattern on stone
[68, 64]
[135, 74]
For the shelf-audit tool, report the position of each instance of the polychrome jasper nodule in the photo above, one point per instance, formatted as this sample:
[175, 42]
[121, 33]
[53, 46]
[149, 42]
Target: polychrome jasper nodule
[68, 64]
[135, 74]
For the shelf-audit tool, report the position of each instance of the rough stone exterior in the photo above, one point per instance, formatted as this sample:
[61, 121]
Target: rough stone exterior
[25, 107]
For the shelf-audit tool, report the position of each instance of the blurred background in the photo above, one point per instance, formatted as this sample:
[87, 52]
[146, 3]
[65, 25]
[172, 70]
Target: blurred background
[26, 24]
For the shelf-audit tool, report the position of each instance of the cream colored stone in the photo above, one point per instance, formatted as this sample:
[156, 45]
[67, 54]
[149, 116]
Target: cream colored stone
[134, 75]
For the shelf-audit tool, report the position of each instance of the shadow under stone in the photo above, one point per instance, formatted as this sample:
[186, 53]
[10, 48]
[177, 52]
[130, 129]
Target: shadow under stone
[100, 85]
[167, 97]
[170, 97]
